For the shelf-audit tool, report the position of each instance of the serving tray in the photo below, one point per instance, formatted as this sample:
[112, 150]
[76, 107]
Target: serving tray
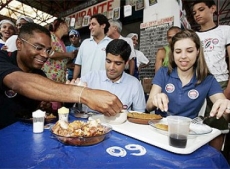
[148, 134]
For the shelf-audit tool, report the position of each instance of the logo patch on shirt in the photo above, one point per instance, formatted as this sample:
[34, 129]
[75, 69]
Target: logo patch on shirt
[193, 94]
[169, 88]
[215, 41]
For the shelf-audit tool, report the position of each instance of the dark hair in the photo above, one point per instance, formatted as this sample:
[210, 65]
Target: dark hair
[102, 19]
[56, 23]
[174, 27]
[209, 3]
[119, 47]
[29, 29]
[200, 65]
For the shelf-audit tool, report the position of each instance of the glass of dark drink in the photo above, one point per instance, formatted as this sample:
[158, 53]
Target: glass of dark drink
[178, 130]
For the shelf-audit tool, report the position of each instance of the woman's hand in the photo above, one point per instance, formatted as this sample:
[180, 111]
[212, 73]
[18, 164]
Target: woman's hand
[160, 101]
[220, 107]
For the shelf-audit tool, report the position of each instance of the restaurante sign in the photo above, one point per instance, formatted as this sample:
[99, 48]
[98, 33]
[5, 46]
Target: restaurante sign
[78, 19]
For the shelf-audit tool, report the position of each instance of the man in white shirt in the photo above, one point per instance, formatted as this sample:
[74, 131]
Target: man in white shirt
[216, 41]
[141, 60]
[91, 55]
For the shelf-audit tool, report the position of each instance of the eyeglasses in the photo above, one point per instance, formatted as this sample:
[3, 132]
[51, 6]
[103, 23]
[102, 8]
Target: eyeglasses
[75, 35]
[39, 48]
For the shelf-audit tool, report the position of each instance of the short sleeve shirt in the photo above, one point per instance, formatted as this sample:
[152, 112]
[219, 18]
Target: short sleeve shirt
[19, 104]
[141, 59]
[128, 89]
[187, 100]
[91, 55]
[214, 42]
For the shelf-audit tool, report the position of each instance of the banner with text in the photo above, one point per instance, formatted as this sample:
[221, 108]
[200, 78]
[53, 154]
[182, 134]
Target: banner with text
[81, 18]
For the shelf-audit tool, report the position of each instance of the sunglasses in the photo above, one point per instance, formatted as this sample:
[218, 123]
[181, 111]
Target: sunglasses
[76, 36]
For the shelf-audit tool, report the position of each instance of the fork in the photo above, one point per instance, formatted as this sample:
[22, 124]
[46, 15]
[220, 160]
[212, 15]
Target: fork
[199, 120]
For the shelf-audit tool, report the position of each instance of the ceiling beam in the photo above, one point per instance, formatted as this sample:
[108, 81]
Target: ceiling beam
[3, 5]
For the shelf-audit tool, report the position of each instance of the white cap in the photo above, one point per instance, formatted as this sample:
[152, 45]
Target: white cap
[63, 110]
[27, 19]
[131, 35]
[38, 113]
[7, 21]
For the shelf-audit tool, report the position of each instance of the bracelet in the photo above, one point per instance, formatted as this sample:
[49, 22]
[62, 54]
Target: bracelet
[79, 101]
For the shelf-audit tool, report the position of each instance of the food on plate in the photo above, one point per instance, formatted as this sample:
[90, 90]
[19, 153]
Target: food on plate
[79, 128]
[50, 116]
[162, 126]
[144, 116]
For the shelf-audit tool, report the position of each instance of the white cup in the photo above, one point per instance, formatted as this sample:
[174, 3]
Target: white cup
[38, 121]
[63, 114]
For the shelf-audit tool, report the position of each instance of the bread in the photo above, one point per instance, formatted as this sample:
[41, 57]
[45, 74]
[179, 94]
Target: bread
[144, 116]
[162, 126]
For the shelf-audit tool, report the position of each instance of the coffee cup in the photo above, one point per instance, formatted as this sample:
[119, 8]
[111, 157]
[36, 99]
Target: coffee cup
[38, 121]
[178, 130]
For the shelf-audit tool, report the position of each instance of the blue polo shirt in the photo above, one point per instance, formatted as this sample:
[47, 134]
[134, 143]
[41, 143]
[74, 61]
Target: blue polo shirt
[128, 89]
[187, 100]
[71, 48]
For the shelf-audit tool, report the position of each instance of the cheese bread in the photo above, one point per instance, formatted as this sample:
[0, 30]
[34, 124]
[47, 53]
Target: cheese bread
[162, 126]
[144, 116]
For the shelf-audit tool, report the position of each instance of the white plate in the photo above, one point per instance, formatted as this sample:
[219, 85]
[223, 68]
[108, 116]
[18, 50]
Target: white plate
[195, 129]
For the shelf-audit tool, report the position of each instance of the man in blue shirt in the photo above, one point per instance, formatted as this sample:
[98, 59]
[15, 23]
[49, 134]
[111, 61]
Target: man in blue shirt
[74, 38]
[126, 87]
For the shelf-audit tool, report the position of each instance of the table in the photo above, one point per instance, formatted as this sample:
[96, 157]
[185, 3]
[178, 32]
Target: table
[21, 148]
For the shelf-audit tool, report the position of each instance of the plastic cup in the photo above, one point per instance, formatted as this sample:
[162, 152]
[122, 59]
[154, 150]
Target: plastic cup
[178, 130]
[63, 114]
[38, 121]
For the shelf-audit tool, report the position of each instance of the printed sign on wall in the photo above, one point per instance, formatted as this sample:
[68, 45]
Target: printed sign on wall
[105, 7]
[152, 37]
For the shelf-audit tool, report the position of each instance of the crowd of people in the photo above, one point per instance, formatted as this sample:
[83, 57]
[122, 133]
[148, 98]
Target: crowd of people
[103, 69]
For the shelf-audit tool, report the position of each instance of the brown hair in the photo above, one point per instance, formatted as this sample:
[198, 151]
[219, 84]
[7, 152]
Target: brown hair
[55, 25]
[200, 66]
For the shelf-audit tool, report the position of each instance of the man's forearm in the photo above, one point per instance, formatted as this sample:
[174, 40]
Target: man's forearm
[41, 88]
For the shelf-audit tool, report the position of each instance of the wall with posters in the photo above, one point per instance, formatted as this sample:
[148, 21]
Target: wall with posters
[81, 18]
[159, 16]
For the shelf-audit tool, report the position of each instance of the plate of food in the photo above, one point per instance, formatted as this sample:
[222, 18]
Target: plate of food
[142, 118]
[195, 129]
[80, 133]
